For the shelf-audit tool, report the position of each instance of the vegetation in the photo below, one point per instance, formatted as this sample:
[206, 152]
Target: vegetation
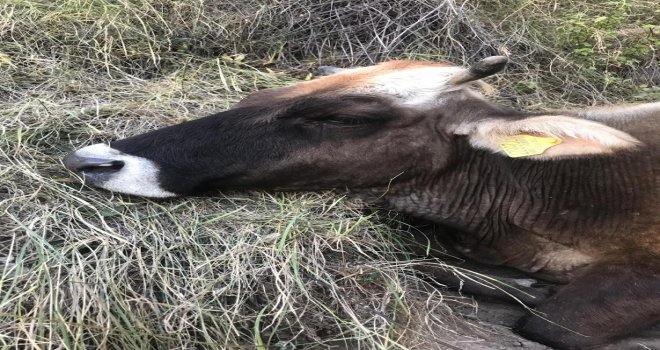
[583, 52]
[81, 268]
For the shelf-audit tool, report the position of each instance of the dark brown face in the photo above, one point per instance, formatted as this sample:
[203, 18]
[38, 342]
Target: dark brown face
[312, 143]
[360, 128]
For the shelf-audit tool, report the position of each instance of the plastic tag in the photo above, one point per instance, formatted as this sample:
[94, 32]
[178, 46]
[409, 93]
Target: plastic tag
[523, 145]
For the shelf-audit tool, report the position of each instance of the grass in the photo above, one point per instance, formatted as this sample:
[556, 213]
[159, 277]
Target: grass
[86, 268]
[81, 268]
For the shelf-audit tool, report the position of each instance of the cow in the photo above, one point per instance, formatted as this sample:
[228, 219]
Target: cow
[569, 196]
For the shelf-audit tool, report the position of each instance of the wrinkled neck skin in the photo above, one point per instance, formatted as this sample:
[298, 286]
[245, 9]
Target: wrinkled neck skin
[494, 202]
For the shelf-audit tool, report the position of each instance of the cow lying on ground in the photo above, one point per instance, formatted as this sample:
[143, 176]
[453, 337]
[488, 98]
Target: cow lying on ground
[571, 196]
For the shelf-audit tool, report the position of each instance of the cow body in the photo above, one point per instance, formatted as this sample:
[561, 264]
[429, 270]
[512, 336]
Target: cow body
[580, 209]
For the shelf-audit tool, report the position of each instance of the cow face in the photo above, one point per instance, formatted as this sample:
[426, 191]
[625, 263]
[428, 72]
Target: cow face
[360, 128]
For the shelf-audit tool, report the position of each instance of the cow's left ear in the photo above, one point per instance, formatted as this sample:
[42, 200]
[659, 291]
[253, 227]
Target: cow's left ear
[545, 137]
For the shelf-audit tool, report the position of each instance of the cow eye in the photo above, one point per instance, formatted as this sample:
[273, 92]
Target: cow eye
[347, 120]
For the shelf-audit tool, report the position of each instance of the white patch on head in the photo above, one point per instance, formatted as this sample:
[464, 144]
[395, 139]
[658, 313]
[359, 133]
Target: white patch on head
[416, 86]
[138, 176]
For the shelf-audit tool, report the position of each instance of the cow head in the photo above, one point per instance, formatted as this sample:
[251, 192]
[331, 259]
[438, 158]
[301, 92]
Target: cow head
[360, 128]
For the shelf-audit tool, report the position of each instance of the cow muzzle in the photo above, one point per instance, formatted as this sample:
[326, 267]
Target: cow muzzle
[102, 166]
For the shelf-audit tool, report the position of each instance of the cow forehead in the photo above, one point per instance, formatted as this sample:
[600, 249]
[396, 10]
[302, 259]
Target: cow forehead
[408, 82]
[400, 79]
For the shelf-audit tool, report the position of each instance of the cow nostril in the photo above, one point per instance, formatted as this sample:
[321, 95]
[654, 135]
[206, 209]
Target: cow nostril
[85, 164]
[110, 166]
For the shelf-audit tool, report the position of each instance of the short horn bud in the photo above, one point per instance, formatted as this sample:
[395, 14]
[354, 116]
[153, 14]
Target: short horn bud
[484, 68]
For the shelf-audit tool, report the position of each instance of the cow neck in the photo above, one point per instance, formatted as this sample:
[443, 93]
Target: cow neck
[491, 195]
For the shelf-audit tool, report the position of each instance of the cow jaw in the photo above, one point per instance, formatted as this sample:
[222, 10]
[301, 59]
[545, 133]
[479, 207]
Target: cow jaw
[137, 176]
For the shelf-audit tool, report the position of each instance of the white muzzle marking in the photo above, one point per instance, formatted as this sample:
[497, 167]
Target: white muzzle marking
[138, 176]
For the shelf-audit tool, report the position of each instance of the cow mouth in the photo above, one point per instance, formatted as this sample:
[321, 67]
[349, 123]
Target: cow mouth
[94, 171]
[102, 166]
[84, 165]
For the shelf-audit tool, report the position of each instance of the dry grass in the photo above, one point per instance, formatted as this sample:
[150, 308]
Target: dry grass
[81, 268]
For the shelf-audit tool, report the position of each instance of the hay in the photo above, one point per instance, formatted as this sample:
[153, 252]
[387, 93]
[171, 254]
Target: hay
[81, 268]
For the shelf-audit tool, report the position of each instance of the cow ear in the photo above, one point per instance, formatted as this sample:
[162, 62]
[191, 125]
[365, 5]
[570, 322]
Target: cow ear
[545, 137]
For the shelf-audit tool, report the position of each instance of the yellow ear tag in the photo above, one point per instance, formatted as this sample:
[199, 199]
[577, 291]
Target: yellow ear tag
[523, 145]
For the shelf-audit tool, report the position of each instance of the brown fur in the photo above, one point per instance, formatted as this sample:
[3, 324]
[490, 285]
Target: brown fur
[335, 84]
